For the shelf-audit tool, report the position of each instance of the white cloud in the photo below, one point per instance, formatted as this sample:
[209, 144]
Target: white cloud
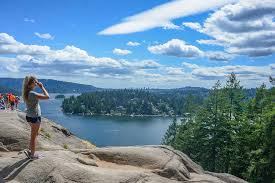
[44, 36]
[147, 74]
[118, 51]
[174, 71]
[244, 28]
[6, 39]
[145, 64]
[77, 65]
[191, 66]
[162, 15]
[176, 47]
[29, 20]
[244, 72]
[192, 25]
[69, 53]
[4, 60]
[130, 43]
[8, 45]
[69, 61]
[12, 68]
[218, 55]
[170, 25]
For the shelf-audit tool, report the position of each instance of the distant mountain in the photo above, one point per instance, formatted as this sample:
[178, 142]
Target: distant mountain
[188, 90]
[53, 86]
[4, 89]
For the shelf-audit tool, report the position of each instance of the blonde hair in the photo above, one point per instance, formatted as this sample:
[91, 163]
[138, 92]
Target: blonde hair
[26, 87]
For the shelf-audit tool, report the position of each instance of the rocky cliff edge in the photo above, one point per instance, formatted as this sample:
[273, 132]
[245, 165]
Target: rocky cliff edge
[69, 159]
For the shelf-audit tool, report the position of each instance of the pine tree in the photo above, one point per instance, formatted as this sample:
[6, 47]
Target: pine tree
[235, 109]
[262, 161]
[213, 129]
[235, 97]
[186, 140]
[170, 135]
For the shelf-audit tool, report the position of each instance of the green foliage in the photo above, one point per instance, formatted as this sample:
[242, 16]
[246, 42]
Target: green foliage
[65, 146]
[231, 132]
[132, 102]
[59, 96]
[48, 135]
[170, 135]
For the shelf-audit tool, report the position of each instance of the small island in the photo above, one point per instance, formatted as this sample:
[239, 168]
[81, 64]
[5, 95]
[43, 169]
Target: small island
[59, 97]
[130, 102]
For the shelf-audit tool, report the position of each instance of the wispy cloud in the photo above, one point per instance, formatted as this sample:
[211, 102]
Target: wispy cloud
[162, 15]
[218, 55]
[118, 51]
[244, 72]
[44, 36]
[130, 43]
[174, 71]
[29, 20]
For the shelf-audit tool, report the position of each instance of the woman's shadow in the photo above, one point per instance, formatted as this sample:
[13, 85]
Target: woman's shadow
[11, 171]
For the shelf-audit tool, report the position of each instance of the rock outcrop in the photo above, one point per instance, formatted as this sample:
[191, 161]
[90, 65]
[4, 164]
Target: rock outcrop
[69, 159]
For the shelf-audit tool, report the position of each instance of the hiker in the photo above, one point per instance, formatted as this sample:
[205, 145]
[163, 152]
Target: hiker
[33, 111]
[12, 101]
[2, 102]
[7, 100]
[17, 100]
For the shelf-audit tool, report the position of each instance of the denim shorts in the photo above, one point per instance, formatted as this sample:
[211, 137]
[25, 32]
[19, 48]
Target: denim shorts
[33, 119]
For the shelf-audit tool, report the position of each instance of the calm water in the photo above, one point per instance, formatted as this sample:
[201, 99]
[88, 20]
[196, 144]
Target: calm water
[108, 130]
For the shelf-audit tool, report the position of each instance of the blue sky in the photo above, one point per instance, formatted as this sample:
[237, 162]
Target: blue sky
[125, 43]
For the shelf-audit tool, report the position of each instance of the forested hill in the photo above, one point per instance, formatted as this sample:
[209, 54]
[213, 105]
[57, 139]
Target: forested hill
[139, 101]
[53, 86]
[132, 102]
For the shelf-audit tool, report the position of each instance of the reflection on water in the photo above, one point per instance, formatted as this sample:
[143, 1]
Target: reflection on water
[108, 130]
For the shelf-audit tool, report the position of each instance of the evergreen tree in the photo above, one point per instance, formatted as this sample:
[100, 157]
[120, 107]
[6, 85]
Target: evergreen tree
[262, 155]
[231, 133]
[213, 130]
[170, 135]
[234, 108]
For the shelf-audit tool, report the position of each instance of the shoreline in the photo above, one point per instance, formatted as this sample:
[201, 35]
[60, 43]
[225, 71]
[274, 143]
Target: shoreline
[117, 115]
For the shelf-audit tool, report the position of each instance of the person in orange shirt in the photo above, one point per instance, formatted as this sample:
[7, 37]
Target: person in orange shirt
[12, 101]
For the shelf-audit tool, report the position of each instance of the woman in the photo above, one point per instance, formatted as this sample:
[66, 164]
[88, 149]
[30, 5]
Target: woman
[33, 112]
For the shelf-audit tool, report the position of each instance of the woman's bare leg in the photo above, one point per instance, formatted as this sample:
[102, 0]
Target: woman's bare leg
[30, 140]
[34, 133]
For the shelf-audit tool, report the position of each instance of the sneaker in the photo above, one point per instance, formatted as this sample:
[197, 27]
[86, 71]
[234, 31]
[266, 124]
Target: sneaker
[27, 153]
